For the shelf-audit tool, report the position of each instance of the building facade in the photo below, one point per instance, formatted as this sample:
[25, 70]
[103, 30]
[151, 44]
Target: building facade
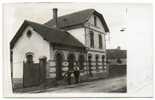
[52, 48]
[117, 56]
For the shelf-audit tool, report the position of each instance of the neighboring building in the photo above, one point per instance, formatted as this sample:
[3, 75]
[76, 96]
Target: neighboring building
[116, 56]
[47, 51]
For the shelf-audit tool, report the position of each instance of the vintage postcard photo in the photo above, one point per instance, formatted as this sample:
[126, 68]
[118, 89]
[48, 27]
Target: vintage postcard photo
[76, 48]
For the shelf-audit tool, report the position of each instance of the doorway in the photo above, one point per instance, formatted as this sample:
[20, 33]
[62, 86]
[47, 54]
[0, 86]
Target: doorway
[71, 60]
[59, 60]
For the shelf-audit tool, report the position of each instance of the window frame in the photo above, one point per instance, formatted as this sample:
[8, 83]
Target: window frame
[95, 20]
[97, 61]
[91, 39]
[100, 41]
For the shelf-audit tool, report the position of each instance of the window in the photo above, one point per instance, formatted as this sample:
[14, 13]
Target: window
[95, 22]
[100, 41]
[29, 58]
[89, 64]
[103, 57]
[91, 39]
[97, 56]
[29, 33]
[71, 60]
[81, 61]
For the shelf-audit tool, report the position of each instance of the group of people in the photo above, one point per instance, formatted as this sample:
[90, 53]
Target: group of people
[75, 70]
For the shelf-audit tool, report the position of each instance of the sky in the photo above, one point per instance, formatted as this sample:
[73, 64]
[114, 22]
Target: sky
[116, 17]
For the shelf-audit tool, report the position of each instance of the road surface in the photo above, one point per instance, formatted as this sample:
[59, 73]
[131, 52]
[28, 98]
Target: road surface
[117, 84]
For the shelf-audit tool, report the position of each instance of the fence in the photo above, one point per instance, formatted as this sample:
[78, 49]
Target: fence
[87, 69]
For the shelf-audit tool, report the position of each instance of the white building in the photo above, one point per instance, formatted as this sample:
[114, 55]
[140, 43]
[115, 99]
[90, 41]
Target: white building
[53, 47]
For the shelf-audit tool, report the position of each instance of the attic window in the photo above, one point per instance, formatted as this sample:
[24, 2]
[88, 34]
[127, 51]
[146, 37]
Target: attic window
[29, 33]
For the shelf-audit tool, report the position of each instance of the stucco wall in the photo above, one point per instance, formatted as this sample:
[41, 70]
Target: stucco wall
[114, 62]
[99, 29]
[51, 69]
[96, 40]
[79, 34]
[35, 44]
[98, 22]
[100, 54]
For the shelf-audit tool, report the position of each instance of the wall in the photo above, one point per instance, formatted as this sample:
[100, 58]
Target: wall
[96, 40]
[51, 69]
[79, 34]
[99, 24]
[114, 61]
[93, 59]
[99, 29]
[35, 44]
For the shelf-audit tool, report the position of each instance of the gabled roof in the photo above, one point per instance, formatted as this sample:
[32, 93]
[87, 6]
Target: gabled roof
[52, 35]
[116, 53]
[76, 18]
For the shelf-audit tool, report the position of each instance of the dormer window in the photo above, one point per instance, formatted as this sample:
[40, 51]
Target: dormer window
[95, 22]
[29, 33]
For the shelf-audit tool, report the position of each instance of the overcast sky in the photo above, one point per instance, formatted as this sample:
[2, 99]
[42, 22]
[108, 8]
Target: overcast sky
[117, 16]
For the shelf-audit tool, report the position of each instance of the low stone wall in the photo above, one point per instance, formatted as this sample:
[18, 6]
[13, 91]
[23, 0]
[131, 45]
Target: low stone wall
[51, 82]
[97, 73]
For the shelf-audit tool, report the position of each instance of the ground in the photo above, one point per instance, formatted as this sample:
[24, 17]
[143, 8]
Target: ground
[115, 84]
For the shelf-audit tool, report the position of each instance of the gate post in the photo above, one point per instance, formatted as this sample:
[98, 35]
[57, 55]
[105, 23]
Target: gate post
[42, 69]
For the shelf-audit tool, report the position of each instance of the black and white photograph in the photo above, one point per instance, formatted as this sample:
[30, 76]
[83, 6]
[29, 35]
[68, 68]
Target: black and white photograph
[80, 48]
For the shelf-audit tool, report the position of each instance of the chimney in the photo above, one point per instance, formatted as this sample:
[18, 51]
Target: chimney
[55, 16]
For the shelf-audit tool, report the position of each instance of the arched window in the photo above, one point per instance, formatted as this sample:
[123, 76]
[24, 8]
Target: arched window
[100, 41]
[71, 60]
[96, 58]
[91, 39]
[29, 57]
[81, 61]
[89, 64]
[95, 21]
[103, 61]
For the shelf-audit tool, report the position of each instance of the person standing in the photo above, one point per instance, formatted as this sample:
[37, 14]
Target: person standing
[76, 72]
[69, 76]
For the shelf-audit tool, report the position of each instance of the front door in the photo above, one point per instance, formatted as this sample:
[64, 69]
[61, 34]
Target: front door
[59, 60]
